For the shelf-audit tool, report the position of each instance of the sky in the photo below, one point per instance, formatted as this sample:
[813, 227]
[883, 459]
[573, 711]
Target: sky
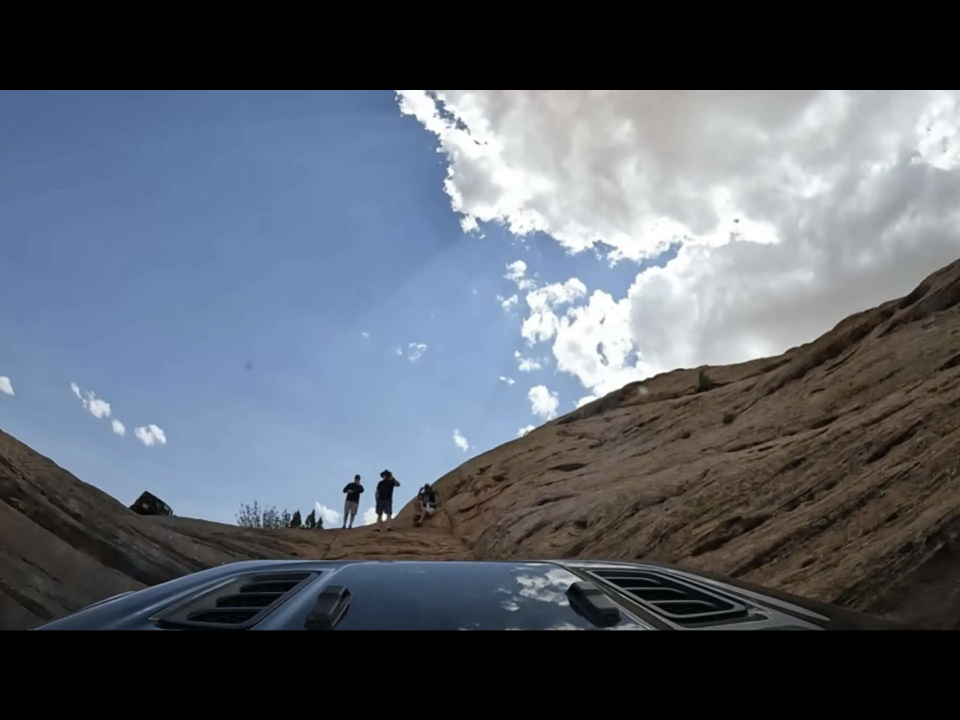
[222, 297]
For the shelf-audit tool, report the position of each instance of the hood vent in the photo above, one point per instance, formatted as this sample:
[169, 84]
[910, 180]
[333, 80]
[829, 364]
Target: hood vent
[671, 598]
[237, 604]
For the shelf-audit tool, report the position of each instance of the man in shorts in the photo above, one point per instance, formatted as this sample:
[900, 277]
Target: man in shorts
[353, 492]
[384, 497]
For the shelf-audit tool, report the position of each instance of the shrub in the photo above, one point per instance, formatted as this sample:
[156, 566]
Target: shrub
[704, 382]
[255, 516]
[270, 518]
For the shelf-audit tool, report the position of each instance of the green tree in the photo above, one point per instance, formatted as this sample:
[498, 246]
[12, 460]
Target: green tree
[296, 521]
[311, 521]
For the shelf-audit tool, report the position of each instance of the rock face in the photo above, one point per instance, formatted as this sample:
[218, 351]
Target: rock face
[64, 544]
[832, 471]
[150, 504]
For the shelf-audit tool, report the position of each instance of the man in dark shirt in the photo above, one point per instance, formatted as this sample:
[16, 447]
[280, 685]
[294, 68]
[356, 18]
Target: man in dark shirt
[353, 491]
[426, 504]
[384, 497]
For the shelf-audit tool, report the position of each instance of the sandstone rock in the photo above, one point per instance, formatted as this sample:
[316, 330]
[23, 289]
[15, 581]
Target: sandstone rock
[65, 544]
[832, 471]
[150, 504]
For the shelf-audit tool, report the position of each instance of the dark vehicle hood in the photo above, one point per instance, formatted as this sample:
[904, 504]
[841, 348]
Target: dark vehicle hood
[409, 595]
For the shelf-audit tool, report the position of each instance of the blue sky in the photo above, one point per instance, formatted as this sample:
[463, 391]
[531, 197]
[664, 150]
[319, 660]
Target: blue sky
[208, 261]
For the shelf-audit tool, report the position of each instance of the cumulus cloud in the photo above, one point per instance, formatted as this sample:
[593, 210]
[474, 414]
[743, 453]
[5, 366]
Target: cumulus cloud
[516, 273]
[526, 364]
[118, 427]
[507, 380]
[91, 403]
[595, 342]
[331, 518]
[6, 387]
[524, 430]
[460, 441]
[369, 516]
[543, 402]
[150, 435]
[788, 210]
[543, 322]
[508, 303]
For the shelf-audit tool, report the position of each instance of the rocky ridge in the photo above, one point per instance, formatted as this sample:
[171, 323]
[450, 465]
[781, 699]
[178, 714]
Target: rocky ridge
[832, 471]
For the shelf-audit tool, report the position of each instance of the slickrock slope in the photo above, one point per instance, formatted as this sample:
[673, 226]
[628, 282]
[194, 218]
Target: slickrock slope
[65, 544]
[832, 471]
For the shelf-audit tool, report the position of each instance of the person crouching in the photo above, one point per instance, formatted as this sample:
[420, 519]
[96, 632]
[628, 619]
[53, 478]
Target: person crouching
[426, 504]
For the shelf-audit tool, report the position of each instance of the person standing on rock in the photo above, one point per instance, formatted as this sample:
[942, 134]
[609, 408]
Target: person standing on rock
[353, 491]
[384, 497]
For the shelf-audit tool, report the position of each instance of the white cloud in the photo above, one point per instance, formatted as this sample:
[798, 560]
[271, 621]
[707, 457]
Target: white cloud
[507, 380]
[792, 209]
[524, 430]
[543, 402]
[516, 273]
[415, 351]
[594, 342]
[516, 270]
[331, 518]
[508, 303]
[150, 435]
[526, 364]
[91, 403]
[6, 387]
[369, 516]
[542, 323]
[460, 441]
[365, 334]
